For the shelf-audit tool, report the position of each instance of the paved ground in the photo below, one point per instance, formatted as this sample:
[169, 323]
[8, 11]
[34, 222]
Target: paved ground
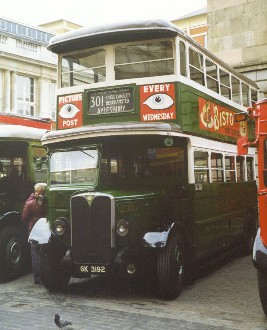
[226, 298]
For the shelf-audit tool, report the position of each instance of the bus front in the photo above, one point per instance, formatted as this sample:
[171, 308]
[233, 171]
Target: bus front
[145, 140]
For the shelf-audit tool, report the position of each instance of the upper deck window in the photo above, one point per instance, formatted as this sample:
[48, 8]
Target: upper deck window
[245, 95]
[225, 84]
[196, 66]
[83, 68]
[235, 90]
[144, 59]
[182, 58]
[212, 76]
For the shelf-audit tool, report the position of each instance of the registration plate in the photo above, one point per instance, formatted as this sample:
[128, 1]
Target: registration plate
[93, 269]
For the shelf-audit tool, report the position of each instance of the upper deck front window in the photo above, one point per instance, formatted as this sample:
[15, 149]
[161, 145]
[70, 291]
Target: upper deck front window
[144, 59]
[83, 68]
[126, 61]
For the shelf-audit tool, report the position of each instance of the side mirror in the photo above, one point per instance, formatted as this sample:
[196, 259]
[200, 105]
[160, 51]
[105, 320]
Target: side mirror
[39, 163]
[243, 116]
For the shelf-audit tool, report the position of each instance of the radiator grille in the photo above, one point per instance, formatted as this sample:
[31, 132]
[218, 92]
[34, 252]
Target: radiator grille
[91, 230]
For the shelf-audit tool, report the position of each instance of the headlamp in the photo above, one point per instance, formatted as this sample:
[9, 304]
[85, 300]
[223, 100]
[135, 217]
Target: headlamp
[122, 228]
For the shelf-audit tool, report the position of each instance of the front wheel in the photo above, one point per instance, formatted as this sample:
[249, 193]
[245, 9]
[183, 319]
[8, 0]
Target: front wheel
[171, 268]
[262, 285]
[53, 276]
[13, 253]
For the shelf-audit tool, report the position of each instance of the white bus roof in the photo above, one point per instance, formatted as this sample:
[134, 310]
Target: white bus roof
[110, 129]
[21, 132]
[127, 31]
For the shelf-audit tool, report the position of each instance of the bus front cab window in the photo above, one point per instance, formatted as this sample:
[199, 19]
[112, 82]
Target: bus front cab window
[121, 165]
[74, 166]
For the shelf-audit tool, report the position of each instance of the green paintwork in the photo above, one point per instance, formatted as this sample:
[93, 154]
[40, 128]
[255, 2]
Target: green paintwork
[209, 219]
[187, 111]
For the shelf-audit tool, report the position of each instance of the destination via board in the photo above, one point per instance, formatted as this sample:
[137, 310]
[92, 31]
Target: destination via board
[111, 101]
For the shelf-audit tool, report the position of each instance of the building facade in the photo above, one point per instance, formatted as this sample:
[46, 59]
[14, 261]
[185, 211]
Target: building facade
[195, 25]
[27, 70]
[237, 33]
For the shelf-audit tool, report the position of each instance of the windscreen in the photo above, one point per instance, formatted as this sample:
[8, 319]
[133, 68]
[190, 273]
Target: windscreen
[135, 160]
[74, 166]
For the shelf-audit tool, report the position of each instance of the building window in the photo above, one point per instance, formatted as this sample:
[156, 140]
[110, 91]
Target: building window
[25, 95]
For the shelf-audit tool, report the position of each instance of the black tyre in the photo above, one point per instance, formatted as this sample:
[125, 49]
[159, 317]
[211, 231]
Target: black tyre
[13, 253]
[53, 276]
[262, 285]
[249, 235]
[171, 268]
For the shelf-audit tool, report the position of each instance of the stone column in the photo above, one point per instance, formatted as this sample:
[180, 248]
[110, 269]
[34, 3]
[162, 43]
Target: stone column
[7, 88]
[13, 93]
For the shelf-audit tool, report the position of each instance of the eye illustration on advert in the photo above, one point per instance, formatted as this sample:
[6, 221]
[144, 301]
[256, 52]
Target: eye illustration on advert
[70, 111]
[157, 102]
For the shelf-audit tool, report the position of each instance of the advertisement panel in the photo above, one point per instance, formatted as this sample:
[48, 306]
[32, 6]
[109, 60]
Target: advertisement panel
[157, 102]
[218, 119]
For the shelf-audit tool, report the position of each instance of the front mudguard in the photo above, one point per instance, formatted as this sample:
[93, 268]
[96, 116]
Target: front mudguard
[259, 256]
[41, 233]
[159, 238]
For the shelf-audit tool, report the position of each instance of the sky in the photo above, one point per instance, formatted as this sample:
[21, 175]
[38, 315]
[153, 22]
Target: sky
[87, 12]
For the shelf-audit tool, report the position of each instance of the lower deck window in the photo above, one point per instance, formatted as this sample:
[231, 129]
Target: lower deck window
[230, 168]
[201, 169]
[217, 167]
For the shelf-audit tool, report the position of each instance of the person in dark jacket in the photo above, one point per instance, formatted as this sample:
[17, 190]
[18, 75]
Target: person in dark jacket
[31, 213]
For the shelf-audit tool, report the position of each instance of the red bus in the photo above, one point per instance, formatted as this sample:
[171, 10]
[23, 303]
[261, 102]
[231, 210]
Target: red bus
[258, 114]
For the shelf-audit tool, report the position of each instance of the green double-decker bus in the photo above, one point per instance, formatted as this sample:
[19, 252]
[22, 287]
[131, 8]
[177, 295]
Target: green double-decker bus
[144, 176]
[22, 164]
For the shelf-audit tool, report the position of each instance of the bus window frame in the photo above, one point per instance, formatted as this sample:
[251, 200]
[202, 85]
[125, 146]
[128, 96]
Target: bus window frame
[167, 59]
[235, 82]
[232, 172]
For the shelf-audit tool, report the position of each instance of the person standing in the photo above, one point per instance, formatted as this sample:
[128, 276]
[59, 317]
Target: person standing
[31, 213]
